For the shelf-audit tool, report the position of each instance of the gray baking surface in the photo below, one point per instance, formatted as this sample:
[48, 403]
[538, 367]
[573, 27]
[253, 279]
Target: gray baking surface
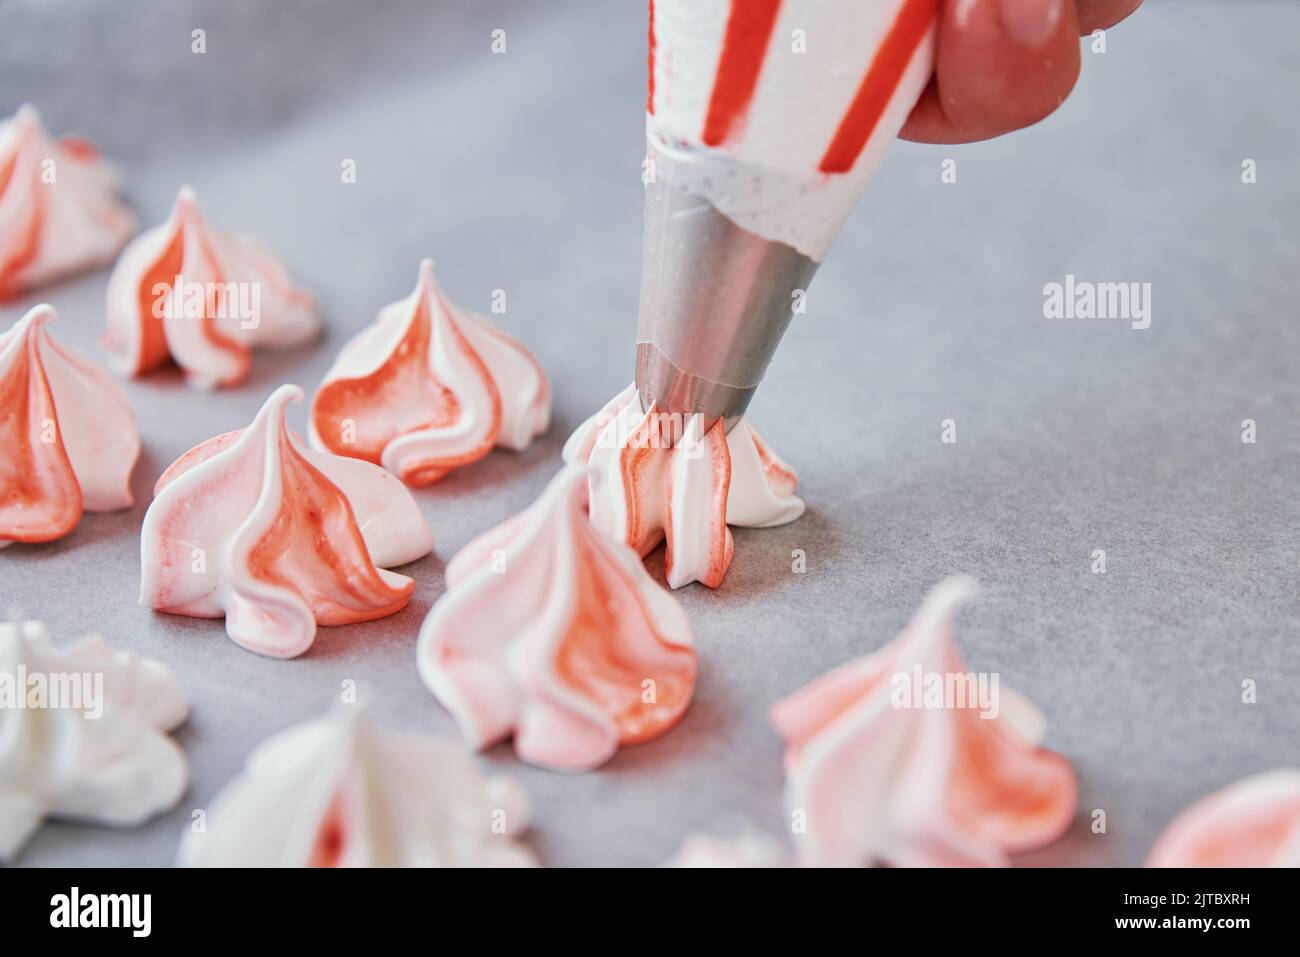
[521, 172]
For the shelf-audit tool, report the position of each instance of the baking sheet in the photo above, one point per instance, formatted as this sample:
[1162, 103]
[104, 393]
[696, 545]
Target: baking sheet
[522, 172]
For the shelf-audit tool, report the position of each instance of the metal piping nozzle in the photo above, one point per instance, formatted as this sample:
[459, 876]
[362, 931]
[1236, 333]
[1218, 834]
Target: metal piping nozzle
[715, 301]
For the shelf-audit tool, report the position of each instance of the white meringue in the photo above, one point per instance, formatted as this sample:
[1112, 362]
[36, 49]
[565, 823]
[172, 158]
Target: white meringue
[202, 297]
[277, 537]
[59, 212]
[655, 477]
[874, 776]
[429, 387]
[554, 632]
[68, 440]
[336, 792]
[60, 761]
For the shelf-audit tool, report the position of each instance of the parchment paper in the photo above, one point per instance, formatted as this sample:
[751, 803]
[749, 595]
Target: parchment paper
[521, 171]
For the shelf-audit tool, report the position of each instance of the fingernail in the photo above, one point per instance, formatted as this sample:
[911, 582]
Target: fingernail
[1030, 22]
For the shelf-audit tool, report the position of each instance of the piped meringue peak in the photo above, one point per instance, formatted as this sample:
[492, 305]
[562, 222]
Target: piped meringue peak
[337, 792]
[277, 537]
[59, 212]
[553, 632]
[202, 297]
[428, 388]
[1254, 822]
[68, 440]
[92, 745]
[658, 477]
[903, 758]
[751, 849]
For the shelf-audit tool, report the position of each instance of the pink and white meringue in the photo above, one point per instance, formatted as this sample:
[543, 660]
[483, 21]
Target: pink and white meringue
[873, 775]
[1254, 822]
[336, 792]
[202, 297]
[59, 211]
[554, 632]
[657, 477]
[428, 388]
[747, 850]
[277, 537]
[68, 441]
[92, 746]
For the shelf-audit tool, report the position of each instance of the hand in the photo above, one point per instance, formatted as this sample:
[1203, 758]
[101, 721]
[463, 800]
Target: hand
[1003, 64]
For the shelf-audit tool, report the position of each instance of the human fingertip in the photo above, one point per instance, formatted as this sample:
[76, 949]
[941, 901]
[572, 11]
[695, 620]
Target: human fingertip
[1103, 14]
[1031, 23]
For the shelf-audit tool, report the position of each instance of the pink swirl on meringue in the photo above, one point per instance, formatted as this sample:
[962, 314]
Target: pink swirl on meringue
[68, 440]
[276, 537]
[429, 388]
[878, 781]
[662, 478]
[1254, 822]
[59, 212]
[202, 297]
[554, 632]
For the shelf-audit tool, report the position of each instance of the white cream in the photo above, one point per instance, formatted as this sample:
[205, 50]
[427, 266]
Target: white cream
[338, 792]
[107, 761]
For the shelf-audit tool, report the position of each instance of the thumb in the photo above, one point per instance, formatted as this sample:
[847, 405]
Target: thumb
[1000, 65]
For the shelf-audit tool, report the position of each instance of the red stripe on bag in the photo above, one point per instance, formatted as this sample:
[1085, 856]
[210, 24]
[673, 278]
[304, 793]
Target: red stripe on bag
[878, 85]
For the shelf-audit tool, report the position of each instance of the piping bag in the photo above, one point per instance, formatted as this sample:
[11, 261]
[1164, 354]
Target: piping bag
[765, 119]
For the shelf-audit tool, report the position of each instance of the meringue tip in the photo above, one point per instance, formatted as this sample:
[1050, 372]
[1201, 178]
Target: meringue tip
[959, 587]
[284, 395]
[186, 199]
[37, 315]
[28, 115]
[943, 600]
[426, 282]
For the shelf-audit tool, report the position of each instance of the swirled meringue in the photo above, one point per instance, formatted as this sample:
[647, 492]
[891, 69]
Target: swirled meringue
[657, 477]
[68, 441]
[277, 537]
[59, 212]
[750, 849]
[876, 776]
[202, 297]
[1254, 822]
[554, 632]
[428, 388]
[336, 792]
[93, 745]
